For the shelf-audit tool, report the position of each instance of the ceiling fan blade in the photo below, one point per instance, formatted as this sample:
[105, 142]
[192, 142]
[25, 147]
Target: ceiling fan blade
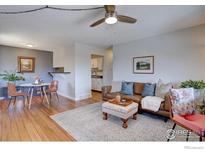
[126, 19]
[97, 22]
[109, 8]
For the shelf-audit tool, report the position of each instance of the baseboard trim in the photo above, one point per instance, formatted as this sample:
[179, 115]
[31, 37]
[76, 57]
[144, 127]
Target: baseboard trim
[67, 96]
[79, 98]
[82, 97]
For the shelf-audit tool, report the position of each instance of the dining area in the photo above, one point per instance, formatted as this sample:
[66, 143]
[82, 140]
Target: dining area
[26, 107]
[27, 91]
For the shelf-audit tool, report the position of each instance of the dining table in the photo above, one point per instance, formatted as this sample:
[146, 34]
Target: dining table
[31, 87]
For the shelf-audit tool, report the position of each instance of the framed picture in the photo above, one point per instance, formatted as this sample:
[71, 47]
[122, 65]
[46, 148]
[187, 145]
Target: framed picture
[143, 65]
[26, 64]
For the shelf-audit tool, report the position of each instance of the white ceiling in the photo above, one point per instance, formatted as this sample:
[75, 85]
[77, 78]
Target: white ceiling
[49, 29]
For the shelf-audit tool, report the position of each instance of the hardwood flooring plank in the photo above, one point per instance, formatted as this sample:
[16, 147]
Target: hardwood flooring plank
[14, 133]
[23, 133]
[21, 124]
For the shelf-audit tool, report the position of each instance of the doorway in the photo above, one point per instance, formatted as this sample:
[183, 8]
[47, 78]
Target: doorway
[97, 72]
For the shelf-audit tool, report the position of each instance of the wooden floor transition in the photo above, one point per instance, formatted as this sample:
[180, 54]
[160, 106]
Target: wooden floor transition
[18, 123]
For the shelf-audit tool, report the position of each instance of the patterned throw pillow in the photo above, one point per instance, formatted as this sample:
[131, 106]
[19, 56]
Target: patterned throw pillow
[127, 88]
[162, 89]
[183, 101]
[149, 89]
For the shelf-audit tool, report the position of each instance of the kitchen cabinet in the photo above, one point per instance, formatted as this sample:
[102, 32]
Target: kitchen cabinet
[100, 63]
[93, 83]
[97, 63]
[97, 84]
[94, 63]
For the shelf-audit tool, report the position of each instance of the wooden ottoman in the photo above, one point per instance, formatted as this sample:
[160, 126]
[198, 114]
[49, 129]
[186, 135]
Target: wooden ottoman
[123, 112]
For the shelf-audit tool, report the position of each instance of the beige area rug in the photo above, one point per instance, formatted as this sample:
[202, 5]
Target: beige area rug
[86, 124]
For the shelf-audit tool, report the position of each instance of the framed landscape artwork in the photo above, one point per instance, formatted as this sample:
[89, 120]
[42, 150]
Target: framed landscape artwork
[143, 65]
[26, 64]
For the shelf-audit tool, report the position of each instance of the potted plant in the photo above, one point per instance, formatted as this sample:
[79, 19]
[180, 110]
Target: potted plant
[199, 87]
[200, 84]
[11, 77]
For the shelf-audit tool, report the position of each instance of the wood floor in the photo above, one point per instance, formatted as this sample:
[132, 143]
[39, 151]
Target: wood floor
[18, 123]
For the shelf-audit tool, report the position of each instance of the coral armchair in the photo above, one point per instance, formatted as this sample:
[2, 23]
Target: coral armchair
[14, 94]
[53, 89]
[192, 122]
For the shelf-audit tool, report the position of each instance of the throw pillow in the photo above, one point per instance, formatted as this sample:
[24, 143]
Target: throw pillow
[127, 88]
[162, 89]
[148, 90]
[116, 86]
[183, 101]
[159, 82]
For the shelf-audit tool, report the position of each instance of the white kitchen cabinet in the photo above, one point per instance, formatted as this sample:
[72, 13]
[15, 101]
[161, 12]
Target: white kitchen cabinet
[97, 63]
[93, 84]
[97, 84]
[100, 63]
[94, 63]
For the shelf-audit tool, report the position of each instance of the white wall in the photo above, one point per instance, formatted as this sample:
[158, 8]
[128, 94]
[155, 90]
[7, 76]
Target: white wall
[65, 57]
[77, 60]
[83, 69]
[107, 68]
[62, 57]
[178, 56]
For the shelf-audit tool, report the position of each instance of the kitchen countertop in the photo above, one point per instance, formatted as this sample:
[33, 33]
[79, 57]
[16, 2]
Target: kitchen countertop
[97, 76]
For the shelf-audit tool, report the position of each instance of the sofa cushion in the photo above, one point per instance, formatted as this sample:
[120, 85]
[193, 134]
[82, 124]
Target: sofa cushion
[149, 89]
[127, 88]
[135, 98]
[138, 88]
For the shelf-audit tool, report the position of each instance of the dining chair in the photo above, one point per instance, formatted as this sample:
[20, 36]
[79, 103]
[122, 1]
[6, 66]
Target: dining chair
[12, 93]
[53, 89]
[191, 121]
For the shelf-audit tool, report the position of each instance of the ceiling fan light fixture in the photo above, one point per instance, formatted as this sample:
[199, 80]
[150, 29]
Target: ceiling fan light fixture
[29, 45]
[111, 18]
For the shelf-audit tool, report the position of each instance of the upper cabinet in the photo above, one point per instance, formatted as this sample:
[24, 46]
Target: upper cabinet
[100, 63]
[97, 63]
[94, 63]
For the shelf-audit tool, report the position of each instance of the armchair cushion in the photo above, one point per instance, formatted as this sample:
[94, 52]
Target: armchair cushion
[106, 89]
[193, 122]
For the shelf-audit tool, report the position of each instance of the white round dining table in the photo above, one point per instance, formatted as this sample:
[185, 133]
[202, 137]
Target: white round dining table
[31, 88]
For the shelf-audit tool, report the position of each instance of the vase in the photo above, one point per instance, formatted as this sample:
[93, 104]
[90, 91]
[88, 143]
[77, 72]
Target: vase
[118, 98]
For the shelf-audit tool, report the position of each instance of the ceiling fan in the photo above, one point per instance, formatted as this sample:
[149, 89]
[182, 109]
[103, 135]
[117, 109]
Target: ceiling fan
[111, 17]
